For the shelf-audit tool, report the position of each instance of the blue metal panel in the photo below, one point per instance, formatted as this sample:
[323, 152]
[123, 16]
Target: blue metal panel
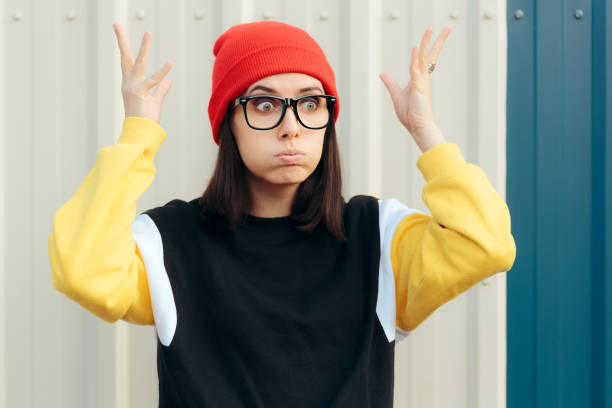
[559, 157]
[601, 353]
[606, 135]
[521, 159]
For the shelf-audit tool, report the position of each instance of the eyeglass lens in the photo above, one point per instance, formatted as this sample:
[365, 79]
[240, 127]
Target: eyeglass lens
[266, 112]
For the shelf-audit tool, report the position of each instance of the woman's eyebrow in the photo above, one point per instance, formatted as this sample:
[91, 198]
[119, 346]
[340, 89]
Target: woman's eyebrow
[266, 89]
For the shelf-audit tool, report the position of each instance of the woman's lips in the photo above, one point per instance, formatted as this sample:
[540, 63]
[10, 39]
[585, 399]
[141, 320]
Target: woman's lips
[290, 158]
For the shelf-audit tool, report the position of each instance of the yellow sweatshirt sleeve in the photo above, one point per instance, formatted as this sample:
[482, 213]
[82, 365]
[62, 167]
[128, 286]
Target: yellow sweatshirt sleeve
[93, 254]
[465, 240]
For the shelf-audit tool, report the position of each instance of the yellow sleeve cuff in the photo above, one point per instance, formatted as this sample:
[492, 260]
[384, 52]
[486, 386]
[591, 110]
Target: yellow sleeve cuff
[440, 160]
[144, 132]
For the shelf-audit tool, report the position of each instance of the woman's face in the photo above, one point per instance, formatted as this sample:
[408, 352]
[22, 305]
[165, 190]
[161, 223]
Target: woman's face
[261, 150]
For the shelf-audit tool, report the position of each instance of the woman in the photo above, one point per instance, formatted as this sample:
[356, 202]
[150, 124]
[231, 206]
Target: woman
[270, 290]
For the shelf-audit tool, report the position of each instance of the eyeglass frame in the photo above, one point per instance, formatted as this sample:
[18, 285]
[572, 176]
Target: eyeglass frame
[242, 100]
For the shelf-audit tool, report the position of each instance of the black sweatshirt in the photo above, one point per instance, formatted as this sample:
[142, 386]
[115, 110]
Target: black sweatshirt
[269, 316]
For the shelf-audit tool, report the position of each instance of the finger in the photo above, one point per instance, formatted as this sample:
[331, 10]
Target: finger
[140, 64]
[162, 89]
[424, 47]
[392, 86]
[127, 60]
[159, 75]
[435, 49]
[414, 63]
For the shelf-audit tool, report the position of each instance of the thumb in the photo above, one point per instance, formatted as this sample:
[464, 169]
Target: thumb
[392, 86]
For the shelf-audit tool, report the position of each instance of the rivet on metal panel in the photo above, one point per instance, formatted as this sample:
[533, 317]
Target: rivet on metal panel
[17, 16]
[519, 14]
[395, 14]
[140, 14]
[267, 15]
[198, 14]
[578, 14]
[71, 15]
[454, 14]
[324, 15]
[488, 15]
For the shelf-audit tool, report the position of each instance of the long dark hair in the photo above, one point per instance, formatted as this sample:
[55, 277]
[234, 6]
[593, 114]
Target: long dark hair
[318, 202]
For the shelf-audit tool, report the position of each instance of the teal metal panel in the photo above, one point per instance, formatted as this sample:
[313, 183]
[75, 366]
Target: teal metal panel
[601, 355]
[606, 262]
[598, 209]
[558, 155]
[521, 172]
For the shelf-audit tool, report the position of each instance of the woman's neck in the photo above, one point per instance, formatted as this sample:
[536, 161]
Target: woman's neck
[272, 200]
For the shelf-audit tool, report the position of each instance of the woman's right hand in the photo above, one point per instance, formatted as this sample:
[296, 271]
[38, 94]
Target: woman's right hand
[137, 101]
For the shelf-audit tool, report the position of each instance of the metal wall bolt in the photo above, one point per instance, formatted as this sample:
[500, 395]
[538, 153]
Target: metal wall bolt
[267, 15]
[578, 14]
[324, 15]
[140, 14]
[198, 14]
[71, 15]
[488, 15]
[454, 14]
[519, 14]
[17, 16]
[395, 14]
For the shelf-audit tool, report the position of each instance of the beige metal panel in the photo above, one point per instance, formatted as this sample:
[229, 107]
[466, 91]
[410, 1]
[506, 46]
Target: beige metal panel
[195, 73]
[359, 132]
[3, 264]
[229, 13]
[19, 140]
[17, 277]
[492, 158]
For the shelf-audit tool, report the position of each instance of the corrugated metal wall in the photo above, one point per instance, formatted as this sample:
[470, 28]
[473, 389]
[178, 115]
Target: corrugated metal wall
[63, 103]
[560, 195]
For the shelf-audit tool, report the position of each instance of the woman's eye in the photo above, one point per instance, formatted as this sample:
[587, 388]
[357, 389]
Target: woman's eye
[310, 104]
[265, 106]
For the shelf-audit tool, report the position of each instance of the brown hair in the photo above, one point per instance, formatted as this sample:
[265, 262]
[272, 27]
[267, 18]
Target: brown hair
[318, 202]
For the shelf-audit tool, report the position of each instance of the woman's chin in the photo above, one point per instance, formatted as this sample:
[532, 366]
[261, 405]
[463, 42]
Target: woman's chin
[289, 175]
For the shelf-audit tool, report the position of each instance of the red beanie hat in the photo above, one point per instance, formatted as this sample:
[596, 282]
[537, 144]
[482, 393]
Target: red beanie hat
[247, 52]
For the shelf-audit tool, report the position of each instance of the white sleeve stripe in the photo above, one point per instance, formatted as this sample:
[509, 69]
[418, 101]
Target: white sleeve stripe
[390, 213]
[149, 243]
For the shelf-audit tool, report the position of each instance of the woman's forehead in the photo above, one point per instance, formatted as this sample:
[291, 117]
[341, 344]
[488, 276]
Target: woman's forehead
[291, 81]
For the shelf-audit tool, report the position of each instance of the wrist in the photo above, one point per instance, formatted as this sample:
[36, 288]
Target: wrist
[429, 137]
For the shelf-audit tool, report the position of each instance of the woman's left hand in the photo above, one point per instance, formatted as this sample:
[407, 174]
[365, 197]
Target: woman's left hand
[413, 104]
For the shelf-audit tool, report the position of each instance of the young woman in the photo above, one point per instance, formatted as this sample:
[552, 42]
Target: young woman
[270, 290]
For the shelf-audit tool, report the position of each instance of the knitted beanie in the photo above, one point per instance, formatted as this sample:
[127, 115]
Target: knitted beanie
[247, 52]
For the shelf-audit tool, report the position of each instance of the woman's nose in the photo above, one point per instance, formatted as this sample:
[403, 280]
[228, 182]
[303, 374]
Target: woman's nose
[289, 126]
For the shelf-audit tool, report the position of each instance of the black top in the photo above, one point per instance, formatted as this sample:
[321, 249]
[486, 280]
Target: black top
[269, 316]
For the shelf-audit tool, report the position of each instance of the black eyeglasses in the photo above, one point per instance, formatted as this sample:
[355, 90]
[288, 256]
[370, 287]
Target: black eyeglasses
[263, 112]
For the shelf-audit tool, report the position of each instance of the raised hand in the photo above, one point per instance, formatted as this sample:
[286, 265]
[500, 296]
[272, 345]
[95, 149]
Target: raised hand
[137, 101]
[413, 105]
